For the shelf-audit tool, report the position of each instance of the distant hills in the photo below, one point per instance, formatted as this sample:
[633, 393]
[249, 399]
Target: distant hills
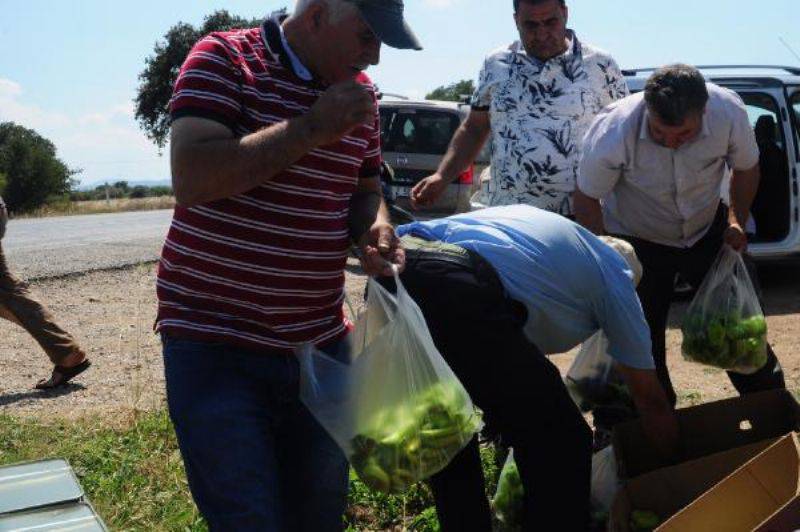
[94, 184]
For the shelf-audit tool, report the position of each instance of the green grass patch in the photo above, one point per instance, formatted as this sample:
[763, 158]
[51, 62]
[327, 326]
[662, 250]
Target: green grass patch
[132, 472]
[690, 398]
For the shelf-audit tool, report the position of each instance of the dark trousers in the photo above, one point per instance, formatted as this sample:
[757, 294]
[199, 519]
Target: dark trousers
[478, 330]
[661, 264]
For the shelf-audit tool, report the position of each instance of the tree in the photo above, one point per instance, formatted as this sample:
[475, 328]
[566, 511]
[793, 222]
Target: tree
[162, 68]
[455, 92]
[139, 191]
[32, 171]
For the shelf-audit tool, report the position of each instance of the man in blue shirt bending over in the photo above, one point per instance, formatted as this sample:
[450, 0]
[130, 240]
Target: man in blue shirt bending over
[500, 288]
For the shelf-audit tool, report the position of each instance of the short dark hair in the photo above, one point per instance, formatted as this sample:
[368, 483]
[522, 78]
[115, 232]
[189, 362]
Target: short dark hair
[518, 2]
[674, 92]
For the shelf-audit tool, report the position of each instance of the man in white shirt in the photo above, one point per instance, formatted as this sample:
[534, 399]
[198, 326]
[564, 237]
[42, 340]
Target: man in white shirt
[537, 97]
[657, 161]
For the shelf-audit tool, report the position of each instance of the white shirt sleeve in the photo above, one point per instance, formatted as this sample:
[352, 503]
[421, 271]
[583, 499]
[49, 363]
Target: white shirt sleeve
[603, 158]
[482, 97]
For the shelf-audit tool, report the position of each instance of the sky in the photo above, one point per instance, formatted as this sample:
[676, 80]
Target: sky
[69, 68]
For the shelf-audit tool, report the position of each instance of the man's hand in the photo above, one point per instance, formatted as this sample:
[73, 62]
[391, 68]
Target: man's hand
[380, 250]
[426, 192]
[339, 110]
[735, 237]
[657, 416]
[588, 212]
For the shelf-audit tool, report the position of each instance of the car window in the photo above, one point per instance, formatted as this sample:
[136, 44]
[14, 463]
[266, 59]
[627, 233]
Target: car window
[795, 103]
[387, 116]
[420, 131]
[764, 115]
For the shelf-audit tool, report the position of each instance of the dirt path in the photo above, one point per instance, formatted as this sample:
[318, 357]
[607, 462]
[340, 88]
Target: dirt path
[112, 313]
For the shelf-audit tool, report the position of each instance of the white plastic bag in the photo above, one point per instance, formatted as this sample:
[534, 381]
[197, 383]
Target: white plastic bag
[508, 500]
[725, 326]
[605, 482]
[593, 382]
[396, 409]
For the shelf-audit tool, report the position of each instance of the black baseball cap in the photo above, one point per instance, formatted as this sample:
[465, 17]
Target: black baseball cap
[385, 18]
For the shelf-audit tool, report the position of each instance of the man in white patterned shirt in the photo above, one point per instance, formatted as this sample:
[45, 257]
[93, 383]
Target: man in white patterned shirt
[537, 98]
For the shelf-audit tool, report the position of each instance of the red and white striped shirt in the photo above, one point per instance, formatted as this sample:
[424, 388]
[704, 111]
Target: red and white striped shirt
[265, 269]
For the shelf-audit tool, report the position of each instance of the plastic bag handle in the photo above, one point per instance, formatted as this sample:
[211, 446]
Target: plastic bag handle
[401, 290]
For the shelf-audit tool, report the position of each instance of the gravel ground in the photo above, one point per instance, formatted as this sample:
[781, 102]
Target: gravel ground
[112, 313]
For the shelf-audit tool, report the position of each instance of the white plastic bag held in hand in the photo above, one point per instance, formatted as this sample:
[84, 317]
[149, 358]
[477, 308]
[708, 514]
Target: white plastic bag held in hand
[725, 326]
[593, 381]
[396, 409]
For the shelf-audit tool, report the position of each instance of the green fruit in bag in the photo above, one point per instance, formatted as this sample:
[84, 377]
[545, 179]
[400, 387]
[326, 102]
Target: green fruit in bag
[414, 440]
[375, 477]
[508, 500]
[715, 333]
[642, 520]
[754, 326]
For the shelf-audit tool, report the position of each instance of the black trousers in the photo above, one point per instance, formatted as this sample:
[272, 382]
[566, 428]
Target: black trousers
[660, 264]
[478, 330]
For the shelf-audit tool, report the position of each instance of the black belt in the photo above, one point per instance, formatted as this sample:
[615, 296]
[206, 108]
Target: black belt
[417, 248]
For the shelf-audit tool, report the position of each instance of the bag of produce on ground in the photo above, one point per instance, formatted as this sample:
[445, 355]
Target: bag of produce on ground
[395, 407]
[725, 326]
[593, 382]
[508, 499]
[605, 482]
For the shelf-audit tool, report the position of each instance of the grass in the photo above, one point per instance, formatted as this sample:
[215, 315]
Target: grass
[132, 472]
[690, 398]
[71, 208]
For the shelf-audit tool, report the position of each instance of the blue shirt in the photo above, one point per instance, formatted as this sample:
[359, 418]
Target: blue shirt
[571, 283]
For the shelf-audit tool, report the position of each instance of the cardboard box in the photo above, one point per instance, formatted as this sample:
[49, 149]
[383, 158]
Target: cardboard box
[763, 495]
[667, 491]
[710, 428]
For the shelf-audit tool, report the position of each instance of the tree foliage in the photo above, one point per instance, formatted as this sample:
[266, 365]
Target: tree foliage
[162, 68]
[455, 92]
[120, 190]
[31, 172]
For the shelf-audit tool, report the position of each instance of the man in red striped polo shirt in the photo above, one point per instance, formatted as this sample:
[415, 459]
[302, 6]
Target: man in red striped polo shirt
[275, 162]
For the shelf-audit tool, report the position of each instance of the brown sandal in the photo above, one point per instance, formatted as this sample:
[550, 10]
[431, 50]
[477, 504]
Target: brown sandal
[62, 375]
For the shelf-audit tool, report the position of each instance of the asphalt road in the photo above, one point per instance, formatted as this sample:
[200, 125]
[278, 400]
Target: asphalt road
[48, 247]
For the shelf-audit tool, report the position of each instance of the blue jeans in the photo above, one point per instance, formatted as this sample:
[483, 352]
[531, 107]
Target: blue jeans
[255, 457]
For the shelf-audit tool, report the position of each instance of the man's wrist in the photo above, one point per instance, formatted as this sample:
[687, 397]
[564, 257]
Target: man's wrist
[448, 178]
[365, 213]
[308, 129]
[733, 222]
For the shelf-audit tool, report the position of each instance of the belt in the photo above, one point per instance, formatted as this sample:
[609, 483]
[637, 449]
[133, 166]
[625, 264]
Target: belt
[484, 272]
[419, 247]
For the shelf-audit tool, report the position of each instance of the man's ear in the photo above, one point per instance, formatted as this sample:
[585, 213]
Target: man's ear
[566, 14]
